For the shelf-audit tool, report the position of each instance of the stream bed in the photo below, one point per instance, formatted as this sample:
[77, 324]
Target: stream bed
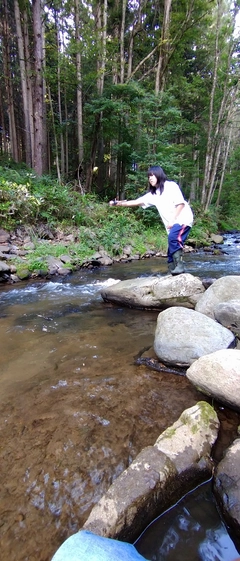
[74, 408]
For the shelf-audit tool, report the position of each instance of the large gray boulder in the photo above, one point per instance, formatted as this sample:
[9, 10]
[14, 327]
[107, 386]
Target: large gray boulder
[159, 475]
[155, 292]
[218, 375]
[227, 486]
[183, 335]
[222, 290]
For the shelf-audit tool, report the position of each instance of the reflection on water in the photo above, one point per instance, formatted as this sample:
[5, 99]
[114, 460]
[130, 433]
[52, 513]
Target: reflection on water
[74, 408]
[192, 526]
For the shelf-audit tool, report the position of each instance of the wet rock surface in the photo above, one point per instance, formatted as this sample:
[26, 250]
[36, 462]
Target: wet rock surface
[227, 486]
[159, 475]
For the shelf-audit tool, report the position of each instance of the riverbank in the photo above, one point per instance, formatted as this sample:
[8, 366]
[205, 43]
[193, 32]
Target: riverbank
[44, 253]
[51, 229]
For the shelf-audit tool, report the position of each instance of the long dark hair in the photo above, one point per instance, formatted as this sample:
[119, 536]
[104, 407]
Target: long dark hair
[161, 178]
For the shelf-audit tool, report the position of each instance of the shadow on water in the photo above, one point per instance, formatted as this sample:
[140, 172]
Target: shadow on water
[193, 524]
[74, 408]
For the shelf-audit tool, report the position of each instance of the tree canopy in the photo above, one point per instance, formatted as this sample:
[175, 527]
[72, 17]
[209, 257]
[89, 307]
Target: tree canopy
[96, 91]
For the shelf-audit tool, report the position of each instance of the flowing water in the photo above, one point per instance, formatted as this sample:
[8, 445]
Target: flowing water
[74, 408]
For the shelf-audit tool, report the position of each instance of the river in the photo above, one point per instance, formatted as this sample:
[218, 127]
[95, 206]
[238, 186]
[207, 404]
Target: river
[74, 408]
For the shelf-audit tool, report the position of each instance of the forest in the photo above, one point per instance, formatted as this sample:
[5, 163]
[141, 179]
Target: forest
[93, 92]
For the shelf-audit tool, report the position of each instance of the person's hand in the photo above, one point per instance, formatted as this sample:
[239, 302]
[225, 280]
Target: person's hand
[170, 225]
[113, 203]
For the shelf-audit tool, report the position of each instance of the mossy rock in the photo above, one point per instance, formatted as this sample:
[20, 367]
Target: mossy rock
[23, 274]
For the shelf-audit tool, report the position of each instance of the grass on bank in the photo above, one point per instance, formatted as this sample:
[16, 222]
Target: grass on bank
[88, 241]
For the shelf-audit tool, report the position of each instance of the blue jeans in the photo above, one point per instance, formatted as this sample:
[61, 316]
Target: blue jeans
[176, 238]
[86, 546]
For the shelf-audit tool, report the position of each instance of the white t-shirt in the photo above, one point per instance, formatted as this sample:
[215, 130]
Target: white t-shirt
[166, 204]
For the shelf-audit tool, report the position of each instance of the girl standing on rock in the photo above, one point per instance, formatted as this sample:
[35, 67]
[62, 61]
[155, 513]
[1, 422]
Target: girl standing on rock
[175, 213]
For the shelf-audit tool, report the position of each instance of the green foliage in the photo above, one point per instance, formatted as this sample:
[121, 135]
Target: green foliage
[205, 223]
[36, 265]
[25, 197]
[230, 197]
[17, 203]
[156, 238]
[117, 230]
[136, 128]
[207, 220]
[149, 218]
[230, 211]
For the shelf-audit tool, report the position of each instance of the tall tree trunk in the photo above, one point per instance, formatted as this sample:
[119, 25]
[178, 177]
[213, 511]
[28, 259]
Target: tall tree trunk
[23, 74]
[46, 162]
[79, 82]
[135, 29]
[164, 47]
[55, 135]
[195, 181]
[122, 36]
[215, 157]
[29, 82]
[66, 134]
[101, 24]
[101, 71]
[58, 41]
[40, 151]
[224, 164]
[8, 82]
[3, 143]
[218, 132]
[223, 130]
[65, 111]
[209, 153]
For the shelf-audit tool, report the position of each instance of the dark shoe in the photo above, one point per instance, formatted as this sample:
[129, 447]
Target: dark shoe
[178, 263]
[171, 266]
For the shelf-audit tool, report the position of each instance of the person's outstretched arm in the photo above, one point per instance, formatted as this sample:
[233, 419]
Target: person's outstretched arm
[133, 202]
